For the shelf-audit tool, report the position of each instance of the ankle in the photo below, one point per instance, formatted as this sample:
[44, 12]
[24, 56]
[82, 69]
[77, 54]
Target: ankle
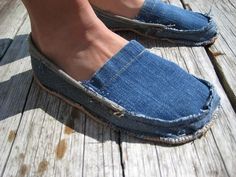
[71, 35]
[124, 8]
[80, 54]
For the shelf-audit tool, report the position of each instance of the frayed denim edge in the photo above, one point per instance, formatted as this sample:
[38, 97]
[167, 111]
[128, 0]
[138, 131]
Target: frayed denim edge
[160, 27]
[140, 23]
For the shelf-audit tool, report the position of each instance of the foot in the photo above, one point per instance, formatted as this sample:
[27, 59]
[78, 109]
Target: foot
[124, 8]
[77, 41]
[81, 55]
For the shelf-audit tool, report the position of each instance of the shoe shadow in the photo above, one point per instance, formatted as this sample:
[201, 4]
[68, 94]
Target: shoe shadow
[5, 43]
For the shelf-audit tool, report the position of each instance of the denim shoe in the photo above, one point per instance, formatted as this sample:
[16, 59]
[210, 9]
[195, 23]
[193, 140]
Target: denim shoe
[160, 20]
[136, 92]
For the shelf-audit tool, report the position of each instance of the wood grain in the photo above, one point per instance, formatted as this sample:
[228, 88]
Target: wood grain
[12, 15]
[15, 80]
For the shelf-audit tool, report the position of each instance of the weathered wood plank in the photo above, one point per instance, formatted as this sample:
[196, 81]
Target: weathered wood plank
[51, 141]
[15, 80]
[31, 138]
[102, 154]
[223, 51]
[12, 15]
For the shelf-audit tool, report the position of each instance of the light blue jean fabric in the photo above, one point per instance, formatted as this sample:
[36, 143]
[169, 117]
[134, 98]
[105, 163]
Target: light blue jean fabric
[137, 92]
[157, 19]
[155, 11]
[146, 84]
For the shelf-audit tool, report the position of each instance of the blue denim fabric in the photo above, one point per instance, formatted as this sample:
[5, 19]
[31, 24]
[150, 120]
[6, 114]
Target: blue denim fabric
[136, 92]
[163, 21]
[155, 11]
[146, 84]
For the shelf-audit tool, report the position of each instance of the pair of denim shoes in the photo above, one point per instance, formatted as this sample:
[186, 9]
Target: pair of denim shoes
[137, 91]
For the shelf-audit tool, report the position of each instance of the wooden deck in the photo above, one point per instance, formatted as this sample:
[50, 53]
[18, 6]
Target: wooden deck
[42, 136]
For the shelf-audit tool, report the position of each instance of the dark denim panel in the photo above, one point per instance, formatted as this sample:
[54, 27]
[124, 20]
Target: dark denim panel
[155, 11]
[127, 53]
[160, 20]
[151, 86]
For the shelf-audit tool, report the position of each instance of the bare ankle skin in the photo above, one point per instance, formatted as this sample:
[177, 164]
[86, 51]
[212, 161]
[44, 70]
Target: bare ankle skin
[70, 34]
[126, 8]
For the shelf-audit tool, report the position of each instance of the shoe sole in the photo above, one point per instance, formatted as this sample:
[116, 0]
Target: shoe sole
[162, 140]
[173, 41]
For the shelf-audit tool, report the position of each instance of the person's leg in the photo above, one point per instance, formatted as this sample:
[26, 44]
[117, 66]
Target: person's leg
[126, 8]
[70, 34]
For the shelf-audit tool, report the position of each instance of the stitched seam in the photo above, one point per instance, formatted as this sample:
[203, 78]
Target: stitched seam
[121, 71]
